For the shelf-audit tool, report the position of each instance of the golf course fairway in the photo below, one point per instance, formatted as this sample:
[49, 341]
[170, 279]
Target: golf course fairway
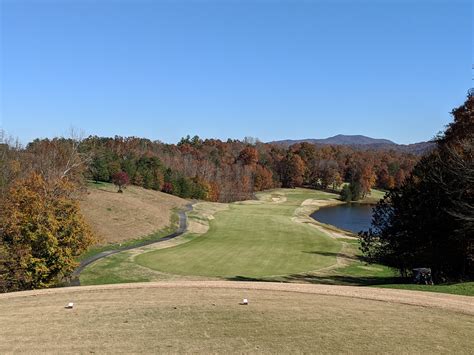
[252, 239]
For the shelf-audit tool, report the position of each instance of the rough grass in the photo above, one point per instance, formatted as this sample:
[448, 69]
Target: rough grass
[252, 240]
[136, 213]
[210, 320]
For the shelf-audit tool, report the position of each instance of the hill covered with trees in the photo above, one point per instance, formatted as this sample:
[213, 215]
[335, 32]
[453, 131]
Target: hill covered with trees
[233, 170]
[364, 143]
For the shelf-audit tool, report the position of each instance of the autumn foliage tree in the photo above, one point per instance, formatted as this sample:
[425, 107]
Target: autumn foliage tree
[41, 233]
[293, 170]
[263, 178]
[120, 180]
[236, 169]
[248, 156]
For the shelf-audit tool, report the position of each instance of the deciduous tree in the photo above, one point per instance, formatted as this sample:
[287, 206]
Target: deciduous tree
[41, 233]
[120, 180]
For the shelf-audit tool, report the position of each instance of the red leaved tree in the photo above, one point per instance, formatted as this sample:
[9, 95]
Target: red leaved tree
[120, 180]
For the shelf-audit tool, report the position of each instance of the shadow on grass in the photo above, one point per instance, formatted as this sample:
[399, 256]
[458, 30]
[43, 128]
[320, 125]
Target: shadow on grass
[343, 279]
[326, 280]
[327, 253]
[246, 278]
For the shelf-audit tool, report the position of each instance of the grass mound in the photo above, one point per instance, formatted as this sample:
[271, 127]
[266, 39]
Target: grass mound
[136, 213]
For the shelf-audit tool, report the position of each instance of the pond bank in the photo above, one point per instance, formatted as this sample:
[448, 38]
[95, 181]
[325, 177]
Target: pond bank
[303, 215]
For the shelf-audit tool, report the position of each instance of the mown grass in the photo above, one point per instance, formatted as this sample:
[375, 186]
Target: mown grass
[259, 242]
[210, 320]
[117, 268]
[251, 240]
[121, 268]
[462, 288]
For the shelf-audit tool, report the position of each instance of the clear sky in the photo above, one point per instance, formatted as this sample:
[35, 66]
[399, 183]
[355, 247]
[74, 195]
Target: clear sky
[268, 69]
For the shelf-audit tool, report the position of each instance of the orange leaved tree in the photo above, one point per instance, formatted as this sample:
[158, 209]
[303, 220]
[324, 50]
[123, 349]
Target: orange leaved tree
[41, 233]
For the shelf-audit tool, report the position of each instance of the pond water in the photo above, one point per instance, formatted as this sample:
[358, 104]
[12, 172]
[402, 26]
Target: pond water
[352, 217]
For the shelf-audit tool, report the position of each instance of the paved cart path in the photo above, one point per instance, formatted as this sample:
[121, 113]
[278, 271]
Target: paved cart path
[182, 228]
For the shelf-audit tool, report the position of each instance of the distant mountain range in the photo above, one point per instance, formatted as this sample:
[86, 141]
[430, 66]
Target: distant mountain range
[363, 142]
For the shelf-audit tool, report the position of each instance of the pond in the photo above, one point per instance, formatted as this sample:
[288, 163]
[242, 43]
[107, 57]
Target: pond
[352, 217]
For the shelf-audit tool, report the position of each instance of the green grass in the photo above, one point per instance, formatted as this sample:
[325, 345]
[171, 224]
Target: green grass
[129, 243]
[251, 240]
[462, 288]
[98, 185]
[257, 242]
[374, 196]
[121, 268]
[116, 269]
[174, 220]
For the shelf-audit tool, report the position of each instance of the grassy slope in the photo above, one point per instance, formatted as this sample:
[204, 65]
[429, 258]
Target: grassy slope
[136, 241]
[134, 214]
[251, 240]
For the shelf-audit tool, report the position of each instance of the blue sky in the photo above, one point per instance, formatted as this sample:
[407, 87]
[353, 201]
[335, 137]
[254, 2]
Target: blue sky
[268, 69]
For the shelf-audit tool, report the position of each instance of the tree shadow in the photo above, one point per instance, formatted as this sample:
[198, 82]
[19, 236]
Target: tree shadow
[247, 278]
[343, 279]
[326, 279]
[344, 255]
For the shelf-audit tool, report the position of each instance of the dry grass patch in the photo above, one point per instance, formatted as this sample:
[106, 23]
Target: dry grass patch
[206, 318]
[201, 215]
[135, 213]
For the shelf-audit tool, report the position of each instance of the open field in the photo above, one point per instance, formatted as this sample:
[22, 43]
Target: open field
[206, 317]
[136, 213]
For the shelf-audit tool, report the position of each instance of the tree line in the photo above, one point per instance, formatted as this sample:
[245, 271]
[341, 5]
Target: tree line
[428, 221]
[234, 170]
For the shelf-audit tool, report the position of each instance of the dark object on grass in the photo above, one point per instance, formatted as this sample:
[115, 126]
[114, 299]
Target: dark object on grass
[422, 276]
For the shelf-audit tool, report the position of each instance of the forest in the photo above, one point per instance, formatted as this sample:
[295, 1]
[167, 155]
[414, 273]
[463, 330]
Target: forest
[233, 170]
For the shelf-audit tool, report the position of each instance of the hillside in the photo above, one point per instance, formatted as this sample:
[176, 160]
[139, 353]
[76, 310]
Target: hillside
[363, 143]
[135, 213]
